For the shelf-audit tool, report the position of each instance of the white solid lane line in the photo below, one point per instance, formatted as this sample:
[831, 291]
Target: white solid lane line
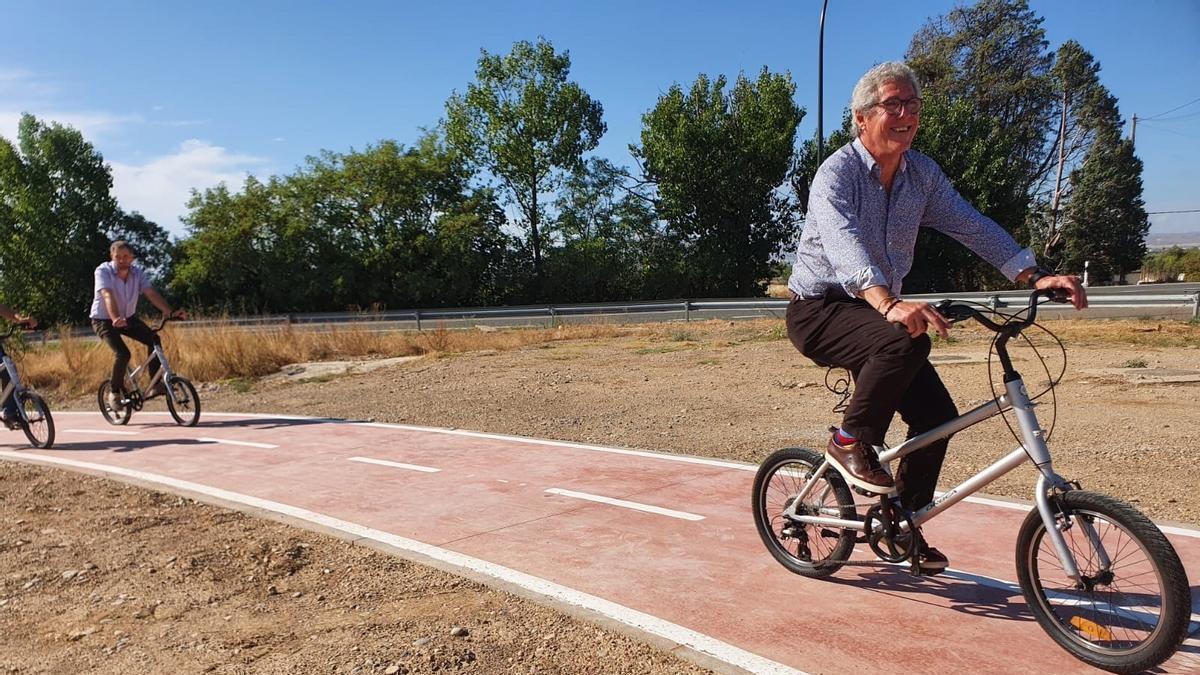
[641, 621]
[682, 515]
[226, 441]
[100, 431]
[398, 465]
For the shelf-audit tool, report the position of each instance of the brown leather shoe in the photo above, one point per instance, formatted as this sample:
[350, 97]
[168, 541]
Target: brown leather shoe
[858, 464]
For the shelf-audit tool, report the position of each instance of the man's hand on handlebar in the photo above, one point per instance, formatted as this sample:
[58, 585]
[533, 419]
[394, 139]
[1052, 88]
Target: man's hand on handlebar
[1074, 290]
[918, 317]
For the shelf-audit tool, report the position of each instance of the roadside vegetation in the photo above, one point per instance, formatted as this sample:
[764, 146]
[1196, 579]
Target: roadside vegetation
[73, 366]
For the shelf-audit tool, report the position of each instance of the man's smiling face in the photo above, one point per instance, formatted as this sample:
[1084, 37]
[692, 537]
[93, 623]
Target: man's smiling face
[885, 134]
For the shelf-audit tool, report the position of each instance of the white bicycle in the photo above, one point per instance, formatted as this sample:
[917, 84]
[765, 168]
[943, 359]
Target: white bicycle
[182, 400]
[1102, 580]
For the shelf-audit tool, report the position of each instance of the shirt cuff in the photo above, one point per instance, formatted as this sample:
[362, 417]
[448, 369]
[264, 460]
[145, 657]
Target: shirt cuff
[864, 278]
[1020, 262]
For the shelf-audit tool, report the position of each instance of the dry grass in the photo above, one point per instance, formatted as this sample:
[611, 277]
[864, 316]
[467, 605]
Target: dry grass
[75, 366]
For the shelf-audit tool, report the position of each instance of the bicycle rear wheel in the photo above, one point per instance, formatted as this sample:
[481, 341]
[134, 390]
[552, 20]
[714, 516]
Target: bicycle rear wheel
[1126, 616]
[183, 402]
[38, 425]
[809, 550]
[117, 417]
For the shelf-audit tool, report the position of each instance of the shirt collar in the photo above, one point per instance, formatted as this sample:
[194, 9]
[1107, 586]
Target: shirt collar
[869, 160]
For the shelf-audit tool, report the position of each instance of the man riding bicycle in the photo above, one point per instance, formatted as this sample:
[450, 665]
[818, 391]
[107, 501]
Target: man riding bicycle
[119, 284]
[9, 413]
[866, 203]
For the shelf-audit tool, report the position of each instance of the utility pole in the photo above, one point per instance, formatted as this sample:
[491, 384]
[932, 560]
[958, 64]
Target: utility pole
[821, 87]
[1133, 132]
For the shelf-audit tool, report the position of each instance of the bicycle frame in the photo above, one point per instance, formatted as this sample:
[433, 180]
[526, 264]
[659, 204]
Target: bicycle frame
[14, 386]
[164, 372]
[1033, 448]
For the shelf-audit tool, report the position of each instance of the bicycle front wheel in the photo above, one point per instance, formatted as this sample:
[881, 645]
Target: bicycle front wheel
[1125, 615]
[809, 550]
[183, 402]
[37, 424]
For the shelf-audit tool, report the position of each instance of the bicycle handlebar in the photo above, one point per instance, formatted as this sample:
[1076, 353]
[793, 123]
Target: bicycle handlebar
[13, 328]
[958, 312]
[163, 322]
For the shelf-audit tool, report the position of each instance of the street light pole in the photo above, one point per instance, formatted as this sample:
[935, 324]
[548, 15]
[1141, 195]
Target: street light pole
[821, 87]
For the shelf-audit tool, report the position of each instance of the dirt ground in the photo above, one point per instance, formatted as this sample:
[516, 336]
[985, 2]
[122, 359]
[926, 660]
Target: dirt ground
[96, 576]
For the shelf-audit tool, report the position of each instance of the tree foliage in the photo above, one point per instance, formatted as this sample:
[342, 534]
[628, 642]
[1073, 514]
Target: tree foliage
[993, 54]
[1106, 221]
[1173, 264]
[527, 124]
[717, 160]
[389, 226]
[55, 207]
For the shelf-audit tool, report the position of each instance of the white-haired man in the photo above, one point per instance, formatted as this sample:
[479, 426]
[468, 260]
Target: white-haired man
[867, 201]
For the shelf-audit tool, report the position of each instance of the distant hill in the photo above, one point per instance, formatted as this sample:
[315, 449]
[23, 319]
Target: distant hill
[1156, 242]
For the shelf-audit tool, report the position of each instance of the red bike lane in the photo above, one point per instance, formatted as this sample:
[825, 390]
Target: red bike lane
[662, 544]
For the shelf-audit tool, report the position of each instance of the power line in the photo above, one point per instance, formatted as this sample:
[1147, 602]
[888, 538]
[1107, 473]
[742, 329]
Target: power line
[1172, 131]
[1143, 119]
[1151, 213]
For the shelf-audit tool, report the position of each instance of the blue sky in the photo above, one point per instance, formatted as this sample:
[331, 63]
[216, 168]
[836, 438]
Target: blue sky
[184, 95]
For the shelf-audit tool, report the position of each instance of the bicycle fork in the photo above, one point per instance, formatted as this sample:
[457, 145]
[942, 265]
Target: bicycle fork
[1049, 483]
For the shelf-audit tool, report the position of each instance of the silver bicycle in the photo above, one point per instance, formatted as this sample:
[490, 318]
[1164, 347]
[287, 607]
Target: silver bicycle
[182, 400]
[33, 415]
[1102, 580]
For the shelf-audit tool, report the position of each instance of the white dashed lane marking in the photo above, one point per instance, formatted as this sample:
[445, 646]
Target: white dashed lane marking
[682, 515]
[397, 465]
[226, 441]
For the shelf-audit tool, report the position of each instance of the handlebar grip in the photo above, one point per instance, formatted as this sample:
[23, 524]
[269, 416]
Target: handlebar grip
[1060, 295]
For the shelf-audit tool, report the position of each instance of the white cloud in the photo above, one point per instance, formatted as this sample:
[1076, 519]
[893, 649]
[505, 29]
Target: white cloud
[19, 83]
[93, 125]
[160, 188]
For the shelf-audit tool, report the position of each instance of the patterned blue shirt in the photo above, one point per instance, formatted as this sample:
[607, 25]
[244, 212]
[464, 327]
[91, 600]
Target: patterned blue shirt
[857, 236]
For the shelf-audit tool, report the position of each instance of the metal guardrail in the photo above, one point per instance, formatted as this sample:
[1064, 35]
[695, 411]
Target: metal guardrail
[1101, 304]
[689, 309]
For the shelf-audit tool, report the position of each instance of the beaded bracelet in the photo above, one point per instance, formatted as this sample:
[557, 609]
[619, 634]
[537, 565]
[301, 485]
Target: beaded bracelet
[892, 305]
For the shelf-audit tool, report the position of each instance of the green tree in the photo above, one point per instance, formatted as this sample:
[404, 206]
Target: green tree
[1106, 221]
[385, 227]
[1083, 108]
[1169, 264]
[993, 54]
[55, 207]
[718, 160]
[605, 240]
[526, 123]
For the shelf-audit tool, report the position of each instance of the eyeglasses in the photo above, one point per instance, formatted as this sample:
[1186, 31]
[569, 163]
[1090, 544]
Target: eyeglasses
[893, 105]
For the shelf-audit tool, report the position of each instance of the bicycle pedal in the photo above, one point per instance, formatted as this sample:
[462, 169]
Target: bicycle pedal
[865, 493]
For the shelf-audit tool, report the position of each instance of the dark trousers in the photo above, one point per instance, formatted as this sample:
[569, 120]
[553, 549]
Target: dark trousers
[892, 374]
[111, 335]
